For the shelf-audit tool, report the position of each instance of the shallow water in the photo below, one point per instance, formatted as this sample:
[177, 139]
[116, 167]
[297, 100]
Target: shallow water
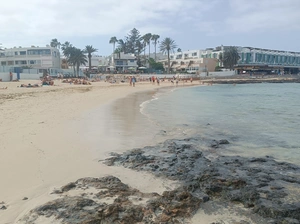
[258, 119]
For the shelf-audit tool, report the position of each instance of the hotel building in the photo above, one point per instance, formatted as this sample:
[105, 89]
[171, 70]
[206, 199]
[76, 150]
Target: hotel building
[41, 58]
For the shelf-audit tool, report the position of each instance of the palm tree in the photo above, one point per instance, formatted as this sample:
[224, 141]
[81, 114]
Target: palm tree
[139, 49]
[55, 43]
[147, 38]
[89, 50]
[113, 40]
[122, 45]
[77, 58]
[166, 46]
[65, 47]
[155, 38]
[118, 52]
[179, 50]
[230, 57]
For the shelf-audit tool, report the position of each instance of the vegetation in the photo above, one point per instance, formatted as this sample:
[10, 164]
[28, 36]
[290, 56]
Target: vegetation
[146, 39]
[55, 43]
[155, 38]
[230, 57]
[166, 46]
[89, 50]
[135, 43]
[73, 56]
[156, 65]
[113, 40]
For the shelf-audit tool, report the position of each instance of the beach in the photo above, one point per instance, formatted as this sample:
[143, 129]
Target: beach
[72, 141]
[43, 148]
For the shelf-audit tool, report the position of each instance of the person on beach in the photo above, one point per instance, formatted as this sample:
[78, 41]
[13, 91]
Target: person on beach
[157, 80]
[153, 80]
[133, 79]
[176, 82]
[10, 76]
[130, 80]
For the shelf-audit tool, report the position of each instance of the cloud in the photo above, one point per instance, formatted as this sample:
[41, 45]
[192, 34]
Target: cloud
[38, 19]
[36, 22]
[263, 16]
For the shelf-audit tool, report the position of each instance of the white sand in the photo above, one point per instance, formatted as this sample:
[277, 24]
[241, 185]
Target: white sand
[42, 145]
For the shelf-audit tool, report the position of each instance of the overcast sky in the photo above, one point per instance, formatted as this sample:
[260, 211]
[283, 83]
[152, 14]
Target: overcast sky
[193, 24]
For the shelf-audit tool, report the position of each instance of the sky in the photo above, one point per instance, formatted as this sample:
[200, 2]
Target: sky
[193, 24]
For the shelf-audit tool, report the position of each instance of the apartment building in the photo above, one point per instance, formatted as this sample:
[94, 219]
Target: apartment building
[124, 62]
[31, 57]
[192, 61]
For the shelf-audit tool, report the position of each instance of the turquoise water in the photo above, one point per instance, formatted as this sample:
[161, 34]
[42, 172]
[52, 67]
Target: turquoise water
[258, 119]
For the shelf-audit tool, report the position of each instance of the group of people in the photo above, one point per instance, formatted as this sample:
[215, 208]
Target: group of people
[154, 79]
[47, 80]
[76, 81]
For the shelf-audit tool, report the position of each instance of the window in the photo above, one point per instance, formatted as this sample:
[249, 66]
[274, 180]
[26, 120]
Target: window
[22, 52]
[20, 62]
[194, 54]
[3, 63]
[119, 62]
[39, 52]
[10, 63]
[186, 55]
[16, 53]
[131, 60]
[34, 62]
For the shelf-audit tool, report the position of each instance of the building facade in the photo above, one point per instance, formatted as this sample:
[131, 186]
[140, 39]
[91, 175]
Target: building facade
[42, 58]
[124, 62]
[192, 61]
[272, 61]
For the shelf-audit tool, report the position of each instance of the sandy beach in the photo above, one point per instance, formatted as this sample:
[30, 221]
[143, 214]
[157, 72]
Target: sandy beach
[48, 139]
[52, 136]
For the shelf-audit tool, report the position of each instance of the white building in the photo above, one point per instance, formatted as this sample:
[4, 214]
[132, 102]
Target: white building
[124, 62]
[42, 58]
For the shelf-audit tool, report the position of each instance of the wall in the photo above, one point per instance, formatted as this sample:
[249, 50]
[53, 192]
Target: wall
[218, 74]
[23, 76]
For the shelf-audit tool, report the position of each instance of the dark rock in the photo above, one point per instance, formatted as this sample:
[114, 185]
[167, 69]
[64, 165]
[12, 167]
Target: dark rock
[3, 207]
[257, 183]
[223, 141]
[68, 187]
[25, 198]
[173, 206]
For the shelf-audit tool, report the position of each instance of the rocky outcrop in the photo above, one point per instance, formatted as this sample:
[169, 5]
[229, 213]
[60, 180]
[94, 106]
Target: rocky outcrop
[128, 205]
[269, 188]
[265, 187]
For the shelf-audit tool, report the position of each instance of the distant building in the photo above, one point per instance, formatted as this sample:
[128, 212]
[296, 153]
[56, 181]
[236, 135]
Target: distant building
[191, 61]
[251, 60]
[265, 60]
[41, 58]
[124, 62]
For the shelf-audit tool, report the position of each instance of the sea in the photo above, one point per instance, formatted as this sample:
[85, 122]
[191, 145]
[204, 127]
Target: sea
[257, 119]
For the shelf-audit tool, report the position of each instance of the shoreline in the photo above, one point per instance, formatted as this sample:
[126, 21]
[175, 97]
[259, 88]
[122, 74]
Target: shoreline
[250, 79]
[42, 148]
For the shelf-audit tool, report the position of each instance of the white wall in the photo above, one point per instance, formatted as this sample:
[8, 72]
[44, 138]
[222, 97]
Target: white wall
[218, 74]
[23, 76]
